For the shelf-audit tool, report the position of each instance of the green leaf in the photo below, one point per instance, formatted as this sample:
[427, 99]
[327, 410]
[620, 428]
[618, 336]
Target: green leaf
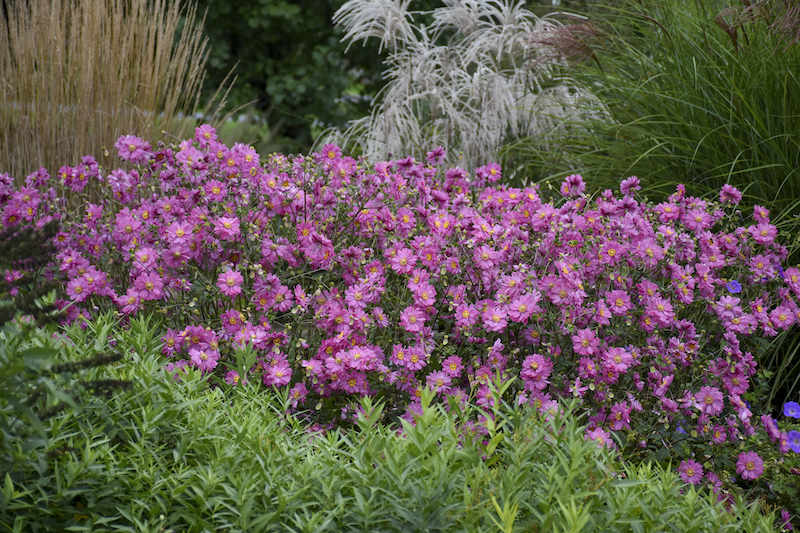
[36, 358]
[492, 446]
[8, 491]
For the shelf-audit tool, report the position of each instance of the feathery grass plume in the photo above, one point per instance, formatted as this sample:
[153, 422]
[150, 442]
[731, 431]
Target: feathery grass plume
[476, 77]
[74, 74]
[781, 16]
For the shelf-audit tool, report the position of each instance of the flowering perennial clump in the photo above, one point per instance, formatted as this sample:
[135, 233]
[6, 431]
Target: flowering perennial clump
[348, 279]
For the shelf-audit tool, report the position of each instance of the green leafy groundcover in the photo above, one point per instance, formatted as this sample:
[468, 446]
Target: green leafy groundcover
[176, 455]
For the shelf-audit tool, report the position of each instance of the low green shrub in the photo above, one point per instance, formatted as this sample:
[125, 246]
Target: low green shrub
[175, 455]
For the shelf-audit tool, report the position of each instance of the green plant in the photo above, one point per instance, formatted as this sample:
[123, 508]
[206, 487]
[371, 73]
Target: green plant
[173, 455]
[35, 389]
[291, 66]
[694, 93]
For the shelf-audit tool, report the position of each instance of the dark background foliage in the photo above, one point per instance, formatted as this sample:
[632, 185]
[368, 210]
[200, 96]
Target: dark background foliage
[291, 64]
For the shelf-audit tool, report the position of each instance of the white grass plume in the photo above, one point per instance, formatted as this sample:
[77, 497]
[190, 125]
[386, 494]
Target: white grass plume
[479, 76]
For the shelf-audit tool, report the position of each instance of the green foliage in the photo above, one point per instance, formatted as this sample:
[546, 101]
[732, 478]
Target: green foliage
[289, 59]
[35, 390]
[696, 93]
[29, 250]
[175, 455]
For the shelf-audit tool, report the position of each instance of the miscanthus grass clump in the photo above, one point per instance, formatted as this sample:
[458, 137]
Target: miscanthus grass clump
[480, 75]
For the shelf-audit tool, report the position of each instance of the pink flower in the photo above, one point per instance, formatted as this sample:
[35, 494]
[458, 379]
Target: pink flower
[485, 257]
[424, 295]
[129, 302]
[617, 359]
[730, 194]
[611, 252]
[522, 308]
[172, 343]
[233, 378]
[436, 156]
[400, 355]
[573, 185]
[495, 318]
[728, 307]
[144, 259]
[77, 290]
[786, 518]
[763, 233]
[416, 359]
[649, 252]
[227, 228]
[403, 261]
[600, 436]
[491, 172]
[205, 360]
[750, 465]
[619, 302]
[697, 220]
[412, 319]
[439, 382]
[761, 214]
[331, 152]
[691, 471]
[453, 366]
[710, 400]
[215, 190]
[149, 285]
[406, 220]
[535, 370]
[585, 342]
[629, 185]
[620, 416]
[278, 375]
[359, 358]
[782, 317]
[178, 233]
[298, 393]
[205, 134]
[771, 427]
[133, 149]
[660, 310]
[230, 283]
[466, 315]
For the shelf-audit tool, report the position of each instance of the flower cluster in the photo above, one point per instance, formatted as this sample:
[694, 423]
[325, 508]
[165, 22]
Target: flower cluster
[349, 279]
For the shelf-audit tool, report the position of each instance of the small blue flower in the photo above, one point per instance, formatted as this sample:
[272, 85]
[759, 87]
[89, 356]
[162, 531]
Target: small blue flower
[791, 409]
[734, 286]
[794, 441]
[780, 272]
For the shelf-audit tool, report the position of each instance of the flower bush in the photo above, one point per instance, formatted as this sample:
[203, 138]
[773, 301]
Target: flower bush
[338, 278]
